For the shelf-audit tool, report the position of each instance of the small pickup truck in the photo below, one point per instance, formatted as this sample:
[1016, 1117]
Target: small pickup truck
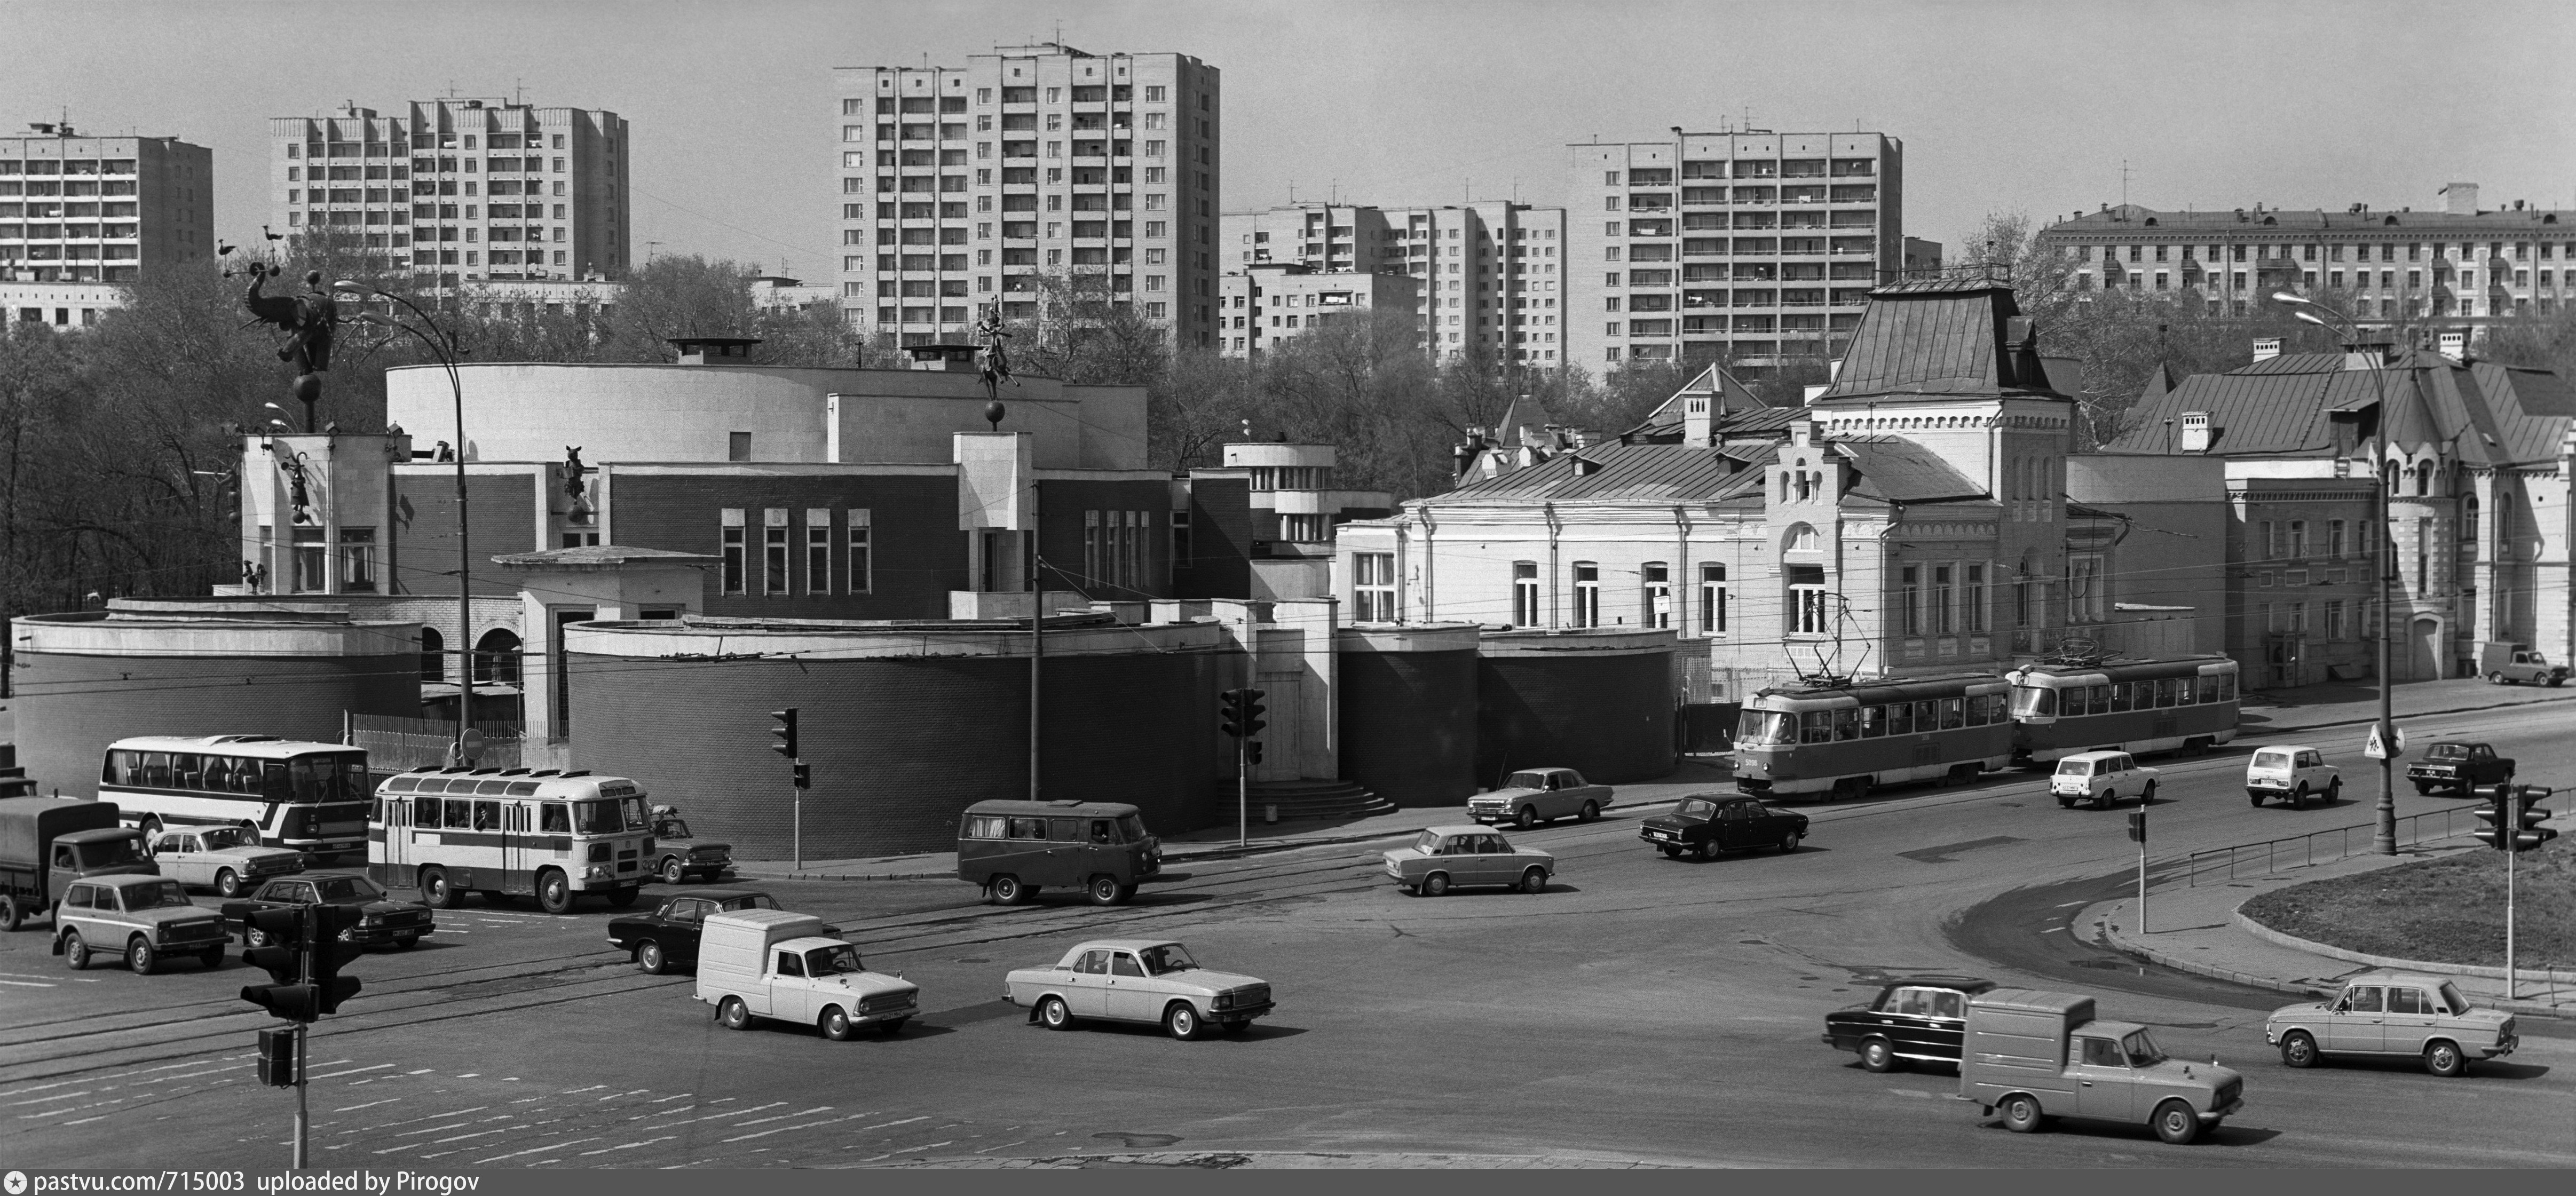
[770, 963]
[2517, 664]
[2459, 765]
[2037, 1055]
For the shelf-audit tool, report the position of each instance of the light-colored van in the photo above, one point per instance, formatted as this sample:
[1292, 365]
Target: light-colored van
[2037, 1055]
[769, 963]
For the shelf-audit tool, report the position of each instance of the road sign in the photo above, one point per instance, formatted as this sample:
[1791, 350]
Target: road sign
[2372, 748]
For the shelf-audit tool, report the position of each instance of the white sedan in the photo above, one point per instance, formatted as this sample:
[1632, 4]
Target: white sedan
[1137, 980]
[227, 859]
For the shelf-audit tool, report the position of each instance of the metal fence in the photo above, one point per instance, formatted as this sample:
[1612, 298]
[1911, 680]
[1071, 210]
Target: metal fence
[397, 744]
[2325, 846]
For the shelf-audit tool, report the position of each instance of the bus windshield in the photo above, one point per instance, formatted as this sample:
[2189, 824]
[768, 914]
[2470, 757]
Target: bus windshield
[606, 816]
[327, 778]
[1766, 728]
[2030, 700]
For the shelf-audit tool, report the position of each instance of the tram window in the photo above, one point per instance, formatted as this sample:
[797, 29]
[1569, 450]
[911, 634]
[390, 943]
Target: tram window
[1816, 726]
[2119, 696]
[2097, 699]
[1847, 723]
[1927, 715]
[2183, 691]
[1977, 710]
[1952, 716]
[2165, 692]
[1873, 722]
[2227, 687]
[558, 819]
[2029, 700]
[493, 788]
[1900, 718]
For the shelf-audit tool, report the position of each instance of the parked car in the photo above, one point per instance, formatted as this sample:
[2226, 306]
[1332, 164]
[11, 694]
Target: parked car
[1138, 980]
[2517, 664]
[1533, 795]
[768, 963]
[2102, 778]
[2036, 1055]
[2463, 765]
[144, 918]
[1707, 823]
[1012, 849]
[1441, 858]
[2291, 771]
[1917, 1019]
[678, 855]
[2394, 1015]
[46, 843]
[381, 919]
[667, 938]
[227, 859]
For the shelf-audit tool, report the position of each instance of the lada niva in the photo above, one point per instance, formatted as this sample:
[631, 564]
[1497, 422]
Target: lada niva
[144, 918]
[768, 963]
[2394, 1015]
[1137, 980]
[227, 859]
[2291, 772]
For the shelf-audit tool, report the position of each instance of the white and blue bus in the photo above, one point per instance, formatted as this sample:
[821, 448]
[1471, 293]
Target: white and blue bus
[308, 796]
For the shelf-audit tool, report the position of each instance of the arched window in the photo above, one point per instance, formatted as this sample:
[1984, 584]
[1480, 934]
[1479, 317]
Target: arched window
[1802, 538]
[2469, 521]
[2388, 475]
[2424, 479]
[433, 656]
[496, 658]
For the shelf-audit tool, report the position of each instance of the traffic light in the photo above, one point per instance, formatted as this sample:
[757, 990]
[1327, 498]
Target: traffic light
[283, 958]
[785, 732]
[2495, 810]
[334, 947]
[2137, 826]
[2511, 822]
[1252, 752]
[1230, 712]
[804, 775]
[277, 1058]
[1252, 708]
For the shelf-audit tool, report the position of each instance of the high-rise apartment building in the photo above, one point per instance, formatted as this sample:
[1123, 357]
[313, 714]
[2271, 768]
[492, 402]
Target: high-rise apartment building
[963, 186]
[101, 209]
[1491, 272]
[1736, 247]
[461, 190]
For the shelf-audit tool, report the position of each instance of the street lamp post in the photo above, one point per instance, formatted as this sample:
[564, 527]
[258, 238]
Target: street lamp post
[443, 347]
[2383, 838]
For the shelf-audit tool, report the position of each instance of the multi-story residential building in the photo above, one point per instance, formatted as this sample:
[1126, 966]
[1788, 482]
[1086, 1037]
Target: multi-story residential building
[461, 190]
[75, 208]
[1260, 307]
[2462, 265]
[1490, 271]
[2477, 468]
[1741, 248]
[965, 186]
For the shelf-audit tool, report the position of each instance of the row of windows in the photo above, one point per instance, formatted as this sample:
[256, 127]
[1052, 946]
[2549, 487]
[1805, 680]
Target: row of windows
[850, 571]
[66, 166]
[2288, 540]
[428, 141]
[2415, 250]
[1083, 93]
[1747, 168]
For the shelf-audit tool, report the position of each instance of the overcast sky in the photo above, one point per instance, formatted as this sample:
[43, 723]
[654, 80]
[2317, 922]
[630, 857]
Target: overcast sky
[2000, 104]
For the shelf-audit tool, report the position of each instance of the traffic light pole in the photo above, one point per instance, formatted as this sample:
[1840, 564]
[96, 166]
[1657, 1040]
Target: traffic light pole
[2142, 871]
[2508, 916]
[301, 1122]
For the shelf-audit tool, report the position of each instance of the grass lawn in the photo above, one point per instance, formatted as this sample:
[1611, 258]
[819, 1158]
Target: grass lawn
[2448, 910]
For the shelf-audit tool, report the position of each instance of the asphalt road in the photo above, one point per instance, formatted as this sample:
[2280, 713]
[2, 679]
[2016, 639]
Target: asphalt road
[1642, 1009]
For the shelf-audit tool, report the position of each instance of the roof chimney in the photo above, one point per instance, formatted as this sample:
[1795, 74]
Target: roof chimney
[2462, 198]
[2454, 345]
[2266, 348]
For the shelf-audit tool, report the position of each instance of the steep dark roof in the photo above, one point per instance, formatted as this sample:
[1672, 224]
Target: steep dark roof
[1941, 338]
[1903, 471]
[2485, 413]
[1609, 472]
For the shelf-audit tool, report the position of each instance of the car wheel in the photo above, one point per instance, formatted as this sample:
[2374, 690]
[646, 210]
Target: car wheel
[1591, 810]
[1182, 1020]
[1525, 819]
[435, 892]
[672, 873]
[734, 1014]
[75, 951]
[1789, 842]
[2299, 797]
[2021, 1113]
[253, 936]
[228, 884]
[2495, 678]
[2444, 1059]
[140, 958]
[554, 893]
[649, 958]
[1435, 884]
[2299, 1050]
[2334, 791]
[836, 1024]
[1704, 849]
[2065, 803]
[1054, 1015]
[2423, 789]
[212, 957]
[1105, 890]
[2176, 1123]
[1534, 879]
[2255, 797]
[2102, 800]
[1007, 890]
[151, 828]
[1877, 1055]
[1670, 852]
[406, 942]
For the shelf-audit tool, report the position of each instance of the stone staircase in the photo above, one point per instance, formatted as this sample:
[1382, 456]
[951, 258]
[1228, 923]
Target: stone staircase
[14, 781]
[1309, 799]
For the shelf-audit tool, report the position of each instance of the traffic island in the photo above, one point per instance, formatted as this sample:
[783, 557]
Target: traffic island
[2444, 913]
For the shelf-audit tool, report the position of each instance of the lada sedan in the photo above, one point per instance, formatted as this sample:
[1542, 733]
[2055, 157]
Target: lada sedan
[2291, 772]
[1138, 980]
[227, 859]
[667, 938]
[2394, 1015]
[144, 918]
[381, 919]
[2101, 778]
[1917, 1019]
[1533, 795]
[1443, 857]
[1707, 823]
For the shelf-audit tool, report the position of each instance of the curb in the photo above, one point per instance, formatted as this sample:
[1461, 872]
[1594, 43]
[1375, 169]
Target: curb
[2111, 938]
[2354, 722]
[2482, 972]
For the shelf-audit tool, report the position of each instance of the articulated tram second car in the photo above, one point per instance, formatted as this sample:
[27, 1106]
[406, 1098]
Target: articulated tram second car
[1844, 738]
[2185, 703]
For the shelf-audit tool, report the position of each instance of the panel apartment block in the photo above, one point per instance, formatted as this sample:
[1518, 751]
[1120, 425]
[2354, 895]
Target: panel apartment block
[1736, 247]
[101, 209]
[461, 190]
[1490, 272]
[964, 186]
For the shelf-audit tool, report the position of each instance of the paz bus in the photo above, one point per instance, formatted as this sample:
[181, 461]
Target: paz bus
[547, 834]
[2063, 707]
[308, 796]
[1843, 737]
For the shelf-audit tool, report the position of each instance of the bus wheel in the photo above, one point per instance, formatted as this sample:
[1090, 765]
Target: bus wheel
[1007, 890]
[435, 892]
[10, 914]
[554, 893]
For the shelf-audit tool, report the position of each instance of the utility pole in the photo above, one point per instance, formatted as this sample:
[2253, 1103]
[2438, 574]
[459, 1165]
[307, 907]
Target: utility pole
[2138, 832]
[1037, 637]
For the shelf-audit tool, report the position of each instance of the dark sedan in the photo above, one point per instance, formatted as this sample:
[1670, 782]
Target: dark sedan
[381, 919]
[1918, 1019]
[1707, 823]
[667, 938]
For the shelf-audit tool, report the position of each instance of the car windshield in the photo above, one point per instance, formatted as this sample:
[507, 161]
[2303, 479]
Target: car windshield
[1166, 959]
[751, 901]
[2141, 1050]
[228, 836]
[2452, 999]
[1696, 807]
[833, 961]
[2447, 751]
[1428, 843]
[2075, 768]
[671, 828]
[1526, 780]
[340, 889]
[166, 894]
[110, 853]
[2268, 759]
[1131, 828]
[1765, 728]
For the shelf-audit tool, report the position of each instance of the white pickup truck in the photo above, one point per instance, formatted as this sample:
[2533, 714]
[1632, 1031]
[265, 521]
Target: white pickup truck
[769, 963]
